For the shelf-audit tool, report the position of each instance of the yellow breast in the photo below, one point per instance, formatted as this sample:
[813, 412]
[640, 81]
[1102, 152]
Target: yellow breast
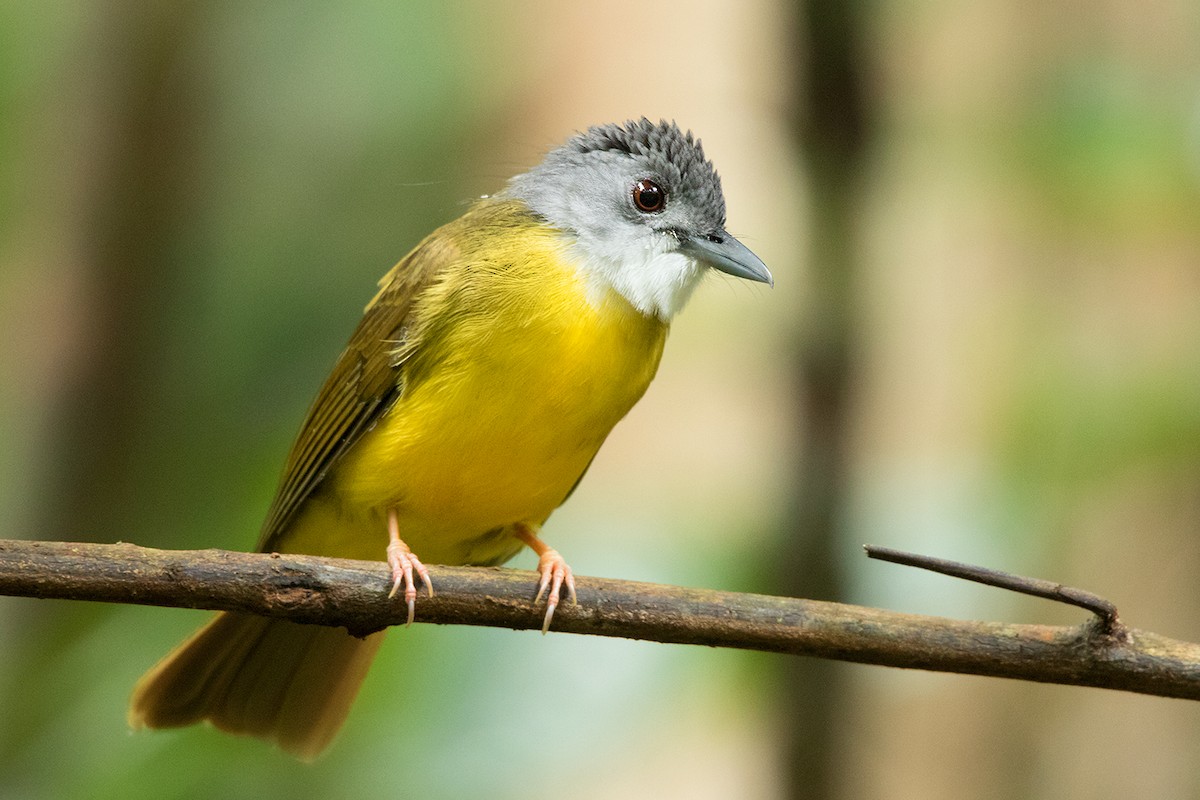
[520, 374]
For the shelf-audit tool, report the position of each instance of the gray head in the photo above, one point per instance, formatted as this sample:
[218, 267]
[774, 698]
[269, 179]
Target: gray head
[643, 208]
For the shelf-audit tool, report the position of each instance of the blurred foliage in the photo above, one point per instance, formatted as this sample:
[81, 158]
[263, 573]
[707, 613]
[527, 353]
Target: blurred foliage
[1105, 152]
[1071, 430]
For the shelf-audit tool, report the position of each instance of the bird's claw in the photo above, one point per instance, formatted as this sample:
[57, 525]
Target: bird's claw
[404, 564]
[555, 573]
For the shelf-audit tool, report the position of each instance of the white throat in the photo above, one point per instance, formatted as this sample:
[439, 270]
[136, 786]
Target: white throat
[655, 282]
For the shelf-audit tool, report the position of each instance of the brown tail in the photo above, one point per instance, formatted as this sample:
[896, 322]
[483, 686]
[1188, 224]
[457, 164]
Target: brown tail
[281, 681]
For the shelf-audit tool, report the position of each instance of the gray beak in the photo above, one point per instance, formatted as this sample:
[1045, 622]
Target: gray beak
[722, 252]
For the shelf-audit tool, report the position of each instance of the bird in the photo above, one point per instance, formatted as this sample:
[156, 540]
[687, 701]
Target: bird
[483, 377]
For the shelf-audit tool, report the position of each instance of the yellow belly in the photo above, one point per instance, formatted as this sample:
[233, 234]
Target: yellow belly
[517, 390]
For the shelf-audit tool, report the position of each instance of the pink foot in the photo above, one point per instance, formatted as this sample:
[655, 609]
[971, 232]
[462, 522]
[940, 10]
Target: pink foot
[403, 563]
[551, 567]
[555, 572]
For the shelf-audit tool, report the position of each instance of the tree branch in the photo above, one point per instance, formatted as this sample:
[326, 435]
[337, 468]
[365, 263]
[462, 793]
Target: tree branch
[1049, 590]
[353, 594]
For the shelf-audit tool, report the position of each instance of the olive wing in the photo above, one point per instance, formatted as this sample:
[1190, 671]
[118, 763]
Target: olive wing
[364, 383]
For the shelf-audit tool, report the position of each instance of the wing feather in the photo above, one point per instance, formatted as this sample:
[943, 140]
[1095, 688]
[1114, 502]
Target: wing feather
[364, 383]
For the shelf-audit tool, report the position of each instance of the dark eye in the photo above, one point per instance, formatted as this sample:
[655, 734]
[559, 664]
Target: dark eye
[648, 196]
